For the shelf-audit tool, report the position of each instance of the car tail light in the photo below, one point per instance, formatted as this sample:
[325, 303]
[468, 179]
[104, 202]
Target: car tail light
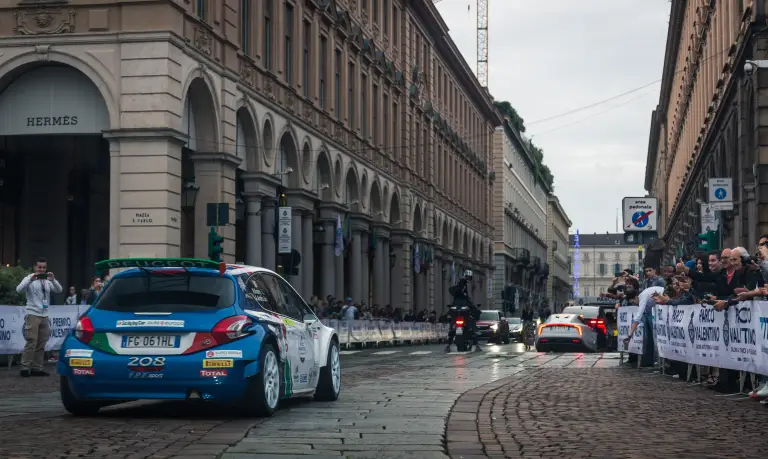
[231, 328]
[459, 322]
[84, 329]
[598, 323]
[225, 331]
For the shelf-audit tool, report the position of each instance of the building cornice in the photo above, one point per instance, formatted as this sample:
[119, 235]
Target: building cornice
[674, 32]
[556, 201]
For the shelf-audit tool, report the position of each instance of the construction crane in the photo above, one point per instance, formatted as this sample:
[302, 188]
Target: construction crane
[482, 41]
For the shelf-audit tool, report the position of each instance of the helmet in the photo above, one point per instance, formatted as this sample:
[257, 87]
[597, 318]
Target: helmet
[468, 274]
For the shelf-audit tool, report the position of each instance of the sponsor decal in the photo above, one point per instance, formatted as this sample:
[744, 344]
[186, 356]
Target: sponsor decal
[302, 348]
[219, 363]
[313, 374]
[213, 373]
[224, 354]
[80, 362]
[144, 375]
[289, 322]
[78, 353]
[150, 323]
[83, 372]
[303, 379]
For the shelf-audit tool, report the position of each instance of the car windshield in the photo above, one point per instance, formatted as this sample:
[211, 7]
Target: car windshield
[588, 312]
[166, 292]
[514, 320]
[489, 315]
[563, 318]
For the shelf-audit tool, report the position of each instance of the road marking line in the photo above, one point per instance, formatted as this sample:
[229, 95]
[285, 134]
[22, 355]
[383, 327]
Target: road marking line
[420, 353]
[385, 352]
[348, 352]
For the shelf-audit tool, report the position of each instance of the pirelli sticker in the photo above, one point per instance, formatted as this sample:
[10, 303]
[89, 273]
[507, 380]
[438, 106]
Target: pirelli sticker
[218, 363]
[82, 363]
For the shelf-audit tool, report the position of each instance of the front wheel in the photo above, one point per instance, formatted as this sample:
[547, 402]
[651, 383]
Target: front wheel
[262, 395]
[329, 382]
[74, 405]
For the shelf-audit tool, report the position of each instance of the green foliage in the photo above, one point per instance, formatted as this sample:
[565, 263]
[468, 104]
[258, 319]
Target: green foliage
[10, 277]
[542, 171]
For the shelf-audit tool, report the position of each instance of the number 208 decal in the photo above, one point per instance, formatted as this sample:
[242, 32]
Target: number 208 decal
[146, 362]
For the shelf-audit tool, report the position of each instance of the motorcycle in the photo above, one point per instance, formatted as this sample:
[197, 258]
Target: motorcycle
[462, 327]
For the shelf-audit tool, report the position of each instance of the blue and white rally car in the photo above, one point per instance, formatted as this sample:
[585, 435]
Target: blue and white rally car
[196, 329]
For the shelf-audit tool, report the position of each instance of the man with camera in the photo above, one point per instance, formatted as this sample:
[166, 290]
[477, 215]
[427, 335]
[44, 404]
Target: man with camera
[37, 287]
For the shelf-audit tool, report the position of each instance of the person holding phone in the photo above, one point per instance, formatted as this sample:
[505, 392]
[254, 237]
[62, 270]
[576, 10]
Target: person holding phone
[38, 287]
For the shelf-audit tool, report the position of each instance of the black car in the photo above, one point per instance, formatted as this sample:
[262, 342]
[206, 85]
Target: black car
[601, 317]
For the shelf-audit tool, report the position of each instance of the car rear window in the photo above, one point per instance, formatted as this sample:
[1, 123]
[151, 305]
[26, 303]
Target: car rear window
[489, 315]
[586, 311]
[514, 320]
[561, 318]
[158, 292]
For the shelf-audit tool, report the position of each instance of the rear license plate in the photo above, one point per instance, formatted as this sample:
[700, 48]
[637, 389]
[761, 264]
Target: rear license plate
[459, 331]
[559, 329]
[151, 341]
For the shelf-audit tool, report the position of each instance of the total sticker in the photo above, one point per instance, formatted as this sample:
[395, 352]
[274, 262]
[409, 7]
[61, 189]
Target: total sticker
[81, 363]
[220, 363]
[224, 354]
[79, 353]
[83, 372]
[213, 373]
[150, 323]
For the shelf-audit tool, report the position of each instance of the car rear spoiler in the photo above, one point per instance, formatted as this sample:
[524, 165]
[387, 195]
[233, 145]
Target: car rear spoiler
[148, 263]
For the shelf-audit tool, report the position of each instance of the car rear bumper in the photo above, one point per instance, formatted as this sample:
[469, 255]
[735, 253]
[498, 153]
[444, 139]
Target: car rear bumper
[106, 376]
[488, 334]
[561, 345]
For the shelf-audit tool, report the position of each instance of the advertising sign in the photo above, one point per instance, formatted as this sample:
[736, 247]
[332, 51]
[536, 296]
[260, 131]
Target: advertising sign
[720, 193]
[284, 230]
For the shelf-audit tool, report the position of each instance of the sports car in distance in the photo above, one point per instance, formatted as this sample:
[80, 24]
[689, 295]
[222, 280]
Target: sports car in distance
[565, 332]
[515, 328]
[493, 326]
[176, 329]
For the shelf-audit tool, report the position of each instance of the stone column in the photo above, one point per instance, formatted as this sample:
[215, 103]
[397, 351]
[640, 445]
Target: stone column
[386, 286]
[355, 275]
[328, 261]
[268, 244]
[308, 256]
[145, 166]
[215, 173]
[366, 265]
[397, 292]
[296, 234]
[253, 228]
[338, 273]
[402, 288]
[438, 276]
[379, 283]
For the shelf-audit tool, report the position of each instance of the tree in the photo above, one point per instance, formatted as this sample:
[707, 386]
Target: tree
[542, 171]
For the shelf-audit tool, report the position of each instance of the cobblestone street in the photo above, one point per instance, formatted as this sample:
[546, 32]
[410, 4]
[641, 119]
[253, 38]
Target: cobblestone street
[397, 403]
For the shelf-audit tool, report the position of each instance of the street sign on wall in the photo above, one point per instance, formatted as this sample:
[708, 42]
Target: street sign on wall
[640, 214]
[720, 193]
[709, 222]
[284, 230]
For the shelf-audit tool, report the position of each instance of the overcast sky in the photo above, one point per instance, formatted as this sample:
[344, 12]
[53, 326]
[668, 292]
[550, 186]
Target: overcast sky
[551, 57]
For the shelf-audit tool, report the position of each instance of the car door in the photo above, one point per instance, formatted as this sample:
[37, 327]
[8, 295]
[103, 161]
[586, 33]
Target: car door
[301, 353]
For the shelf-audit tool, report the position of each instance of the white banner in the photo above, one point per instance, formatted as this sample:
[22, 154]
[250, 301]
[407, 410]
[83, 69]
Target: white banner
[61, 319]
[284, 229]
[735, 339]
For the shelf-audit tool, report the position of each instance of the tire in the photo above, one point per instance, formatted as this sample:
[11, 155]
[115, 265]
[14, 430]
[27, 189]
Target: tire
[72, 404]
[329, 381]
[262, 394]
[506, 339]
[461, 347]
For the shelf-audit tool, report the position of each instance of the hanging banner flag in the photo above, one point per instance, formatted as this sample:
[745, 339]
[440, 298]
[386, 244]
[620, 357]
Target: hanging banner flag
[284, 230]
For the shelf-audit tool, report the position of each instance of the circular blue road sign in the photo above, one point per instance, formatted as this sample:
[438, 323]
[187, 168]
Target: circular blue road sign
[720, 193]
[642, 221]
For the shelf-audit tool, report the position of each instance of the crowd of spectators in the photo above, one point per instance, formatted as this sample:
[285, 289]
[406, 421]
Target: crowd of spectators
[347, 309]
[719, 279]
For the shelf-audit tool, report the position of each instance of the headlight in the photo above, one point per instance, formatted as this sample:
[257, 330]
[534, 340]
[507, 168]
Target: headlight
[495, 327]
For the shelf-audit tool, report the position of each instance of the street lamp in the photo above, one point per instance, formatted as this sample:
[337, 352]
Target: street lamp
[239, 208]
[189, 192]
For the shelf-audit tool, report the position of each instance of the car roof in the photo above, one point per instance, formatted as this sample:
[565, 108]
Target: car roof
[231, 269]
[562, 317]
[490, 310]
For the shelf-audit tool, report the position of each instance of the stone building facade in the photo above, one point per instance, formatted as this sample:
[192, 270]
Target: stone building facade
[708, 123]
[363, 112]
[559, 289]
[519, 221]
[601, 256]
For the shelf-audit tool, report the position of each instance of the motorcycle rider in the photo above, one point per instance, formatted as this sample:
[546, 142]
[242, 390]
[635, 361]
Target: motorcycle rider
[461, 298]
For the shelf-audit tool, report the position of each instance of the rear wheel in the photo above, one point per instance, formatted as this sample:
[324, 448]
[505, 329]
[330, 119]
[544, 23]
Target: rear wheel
[506, 339]
[262, 394]
[329, 382]
[73, 404]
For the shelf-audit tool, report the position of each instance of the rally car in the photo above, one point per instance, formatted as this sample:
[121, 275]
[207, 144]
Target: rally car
[197, 329]
[566, 332]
